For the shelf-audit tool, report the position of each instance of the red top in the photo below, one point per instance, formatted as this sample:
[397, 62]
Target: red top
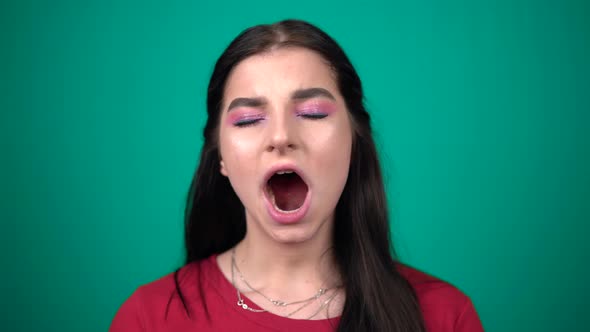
[444, 307]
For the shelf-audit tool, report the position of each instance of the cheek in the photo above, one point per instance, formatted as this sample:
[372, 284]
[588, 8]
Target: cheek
[332, 137]
[238, 145]
[240, 166]
[332, 150]
[237, 152]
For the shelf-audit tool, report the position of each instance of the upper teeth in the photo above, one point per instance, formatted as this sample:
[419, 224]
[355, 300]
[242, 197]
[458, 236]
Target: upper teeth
[284, 172]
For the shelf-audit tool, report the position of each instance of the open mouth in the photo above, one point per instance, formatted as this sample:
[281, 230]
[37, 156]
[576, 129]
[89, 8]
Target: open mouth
[287, 191]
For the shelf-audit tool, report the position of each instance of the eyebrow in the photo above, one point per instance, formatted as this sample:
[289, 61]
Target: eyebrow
[298, 95]
[247, 102]
[312, 93]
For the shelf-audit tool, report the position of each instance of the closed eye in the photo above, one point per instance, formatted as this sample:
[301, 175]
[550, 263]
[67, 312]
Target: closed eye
[247, 122]
[313, 116]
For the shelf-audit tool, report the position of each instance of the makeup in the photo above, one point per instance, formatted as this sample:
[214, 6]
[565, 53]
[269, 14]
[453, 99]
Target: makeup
[242, 118]
[316, 109]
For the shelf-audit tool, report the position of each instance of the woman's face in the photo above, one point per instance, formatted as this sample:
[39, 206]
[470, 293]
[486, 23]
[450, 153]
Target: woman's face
[285, 141]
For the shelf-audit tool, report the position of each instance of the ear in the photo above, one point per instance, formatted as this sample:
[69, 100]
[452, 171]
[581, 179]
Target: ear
[222, 169]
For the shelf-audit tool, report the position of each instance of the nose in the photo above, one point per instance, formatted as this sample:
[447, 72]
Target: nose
[282, 133]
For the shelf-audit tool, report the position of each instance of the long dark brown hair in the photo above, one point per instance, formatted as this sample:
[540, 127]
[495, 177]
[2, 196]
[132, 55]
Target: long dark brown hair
[378, 298]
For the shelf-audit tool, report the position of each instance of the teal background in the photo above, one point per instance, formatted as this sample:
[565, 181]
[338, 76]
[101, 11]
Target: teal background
[480, 108]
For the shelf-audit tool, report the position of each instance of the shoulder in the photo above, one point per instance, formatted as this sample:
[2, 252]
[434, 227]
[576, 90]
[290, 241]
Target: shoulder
[151, 302]
[431, 289]
[444, 306]
[161, 289]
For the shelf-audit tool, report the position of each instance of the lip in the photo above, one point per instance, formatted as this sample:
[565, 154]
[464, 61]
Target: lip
[278, 216]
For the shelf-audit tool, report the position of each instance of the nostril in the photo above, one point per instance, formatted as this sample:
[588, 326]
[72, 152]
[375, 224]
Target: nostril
[281, 146]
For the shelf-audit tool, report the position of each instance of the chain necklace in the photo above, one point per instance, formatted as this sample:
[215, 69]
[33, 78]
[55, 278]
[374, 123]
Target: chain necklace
[323, 305]
[279, 303]
[240, 300]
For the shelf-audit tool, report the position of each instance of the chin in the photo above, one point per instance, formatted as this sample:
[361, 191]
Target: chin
[309, 228]
[292, 236]
[301, 232]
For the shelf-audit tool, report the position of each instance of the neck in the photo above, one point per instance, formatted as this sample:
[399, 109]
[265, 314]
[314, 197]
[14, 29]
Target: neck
[289, 262]
[278, 266]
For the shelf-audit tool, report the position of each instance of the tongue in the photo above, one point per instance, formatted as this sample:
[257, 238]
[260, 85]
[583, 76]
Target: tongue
[289, 191]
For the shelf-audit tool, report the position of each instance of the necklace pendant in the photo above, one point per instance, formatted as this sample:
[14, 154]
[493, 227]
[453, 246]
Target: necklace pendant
[278, 303]
[242, 304]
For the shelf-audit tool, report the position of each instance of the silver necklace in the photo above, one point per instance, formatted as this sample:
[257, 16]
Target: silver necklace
[277, 303]
[305, 302]
[324, 304]
[240, 300]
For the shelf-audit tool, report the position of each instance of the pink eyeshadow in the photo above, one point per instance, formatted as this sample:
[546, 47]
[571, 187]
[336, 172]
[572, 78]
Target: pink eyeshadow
[313, 107]
[237, 116]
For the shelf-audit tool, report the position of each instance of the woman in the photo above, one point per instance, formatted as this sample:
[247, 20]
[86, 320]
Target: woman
[286, 221]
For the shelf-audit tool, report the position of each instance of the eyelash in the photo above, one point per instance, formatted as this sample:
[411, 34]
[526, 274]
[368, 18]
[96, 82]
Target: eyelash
[313, 116]
[247, 122]
[251, 122]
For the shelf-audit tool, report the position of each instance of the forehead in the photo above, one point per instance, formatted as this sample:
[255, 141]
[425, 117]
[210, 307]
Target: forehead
[279, 72]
